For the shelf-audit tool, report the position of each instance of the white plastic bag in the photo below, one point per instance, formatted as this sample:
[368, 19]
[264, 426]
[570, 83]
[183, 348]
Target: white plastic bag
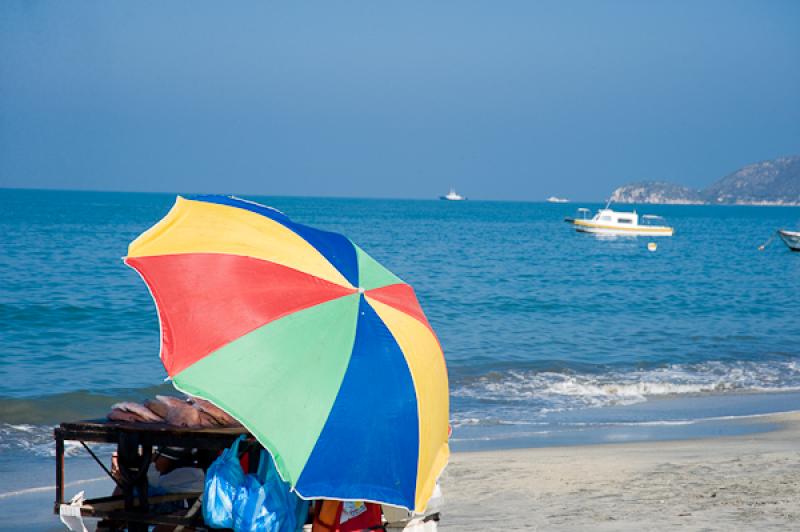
[401, 519]
[70, 514]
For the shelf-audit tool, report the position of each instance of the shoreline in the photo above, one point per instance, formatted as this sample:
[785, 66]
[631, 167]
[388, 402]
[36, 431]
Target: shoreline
[712, 483]
[659, 418]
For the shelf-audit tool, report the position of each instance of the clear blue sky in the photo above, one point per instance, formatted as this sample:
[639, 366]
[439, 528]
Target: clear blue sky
[504, 100]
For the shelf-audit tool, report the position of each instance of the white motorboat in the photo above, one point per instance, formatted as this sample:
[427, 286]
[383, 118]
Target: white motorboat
[555, 199]
[791, 239]
[611, 222]
[452, 196]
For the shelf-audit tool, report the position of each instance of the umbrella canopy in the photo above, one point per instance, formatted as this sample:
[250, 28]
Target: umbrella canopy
[322, 353]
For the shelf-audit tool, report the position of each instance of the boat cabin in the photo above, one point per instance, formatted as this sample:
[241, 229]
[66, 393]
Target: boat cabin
[613, 217]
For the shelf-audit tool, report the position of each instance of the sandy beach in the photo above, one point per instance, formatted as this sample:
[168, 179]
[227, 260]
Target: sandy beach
[728, 483]
[744, 482]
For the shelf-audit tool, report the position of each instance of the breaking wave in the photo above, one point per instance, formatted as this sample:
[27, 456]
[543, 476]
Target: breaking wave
[485, 399]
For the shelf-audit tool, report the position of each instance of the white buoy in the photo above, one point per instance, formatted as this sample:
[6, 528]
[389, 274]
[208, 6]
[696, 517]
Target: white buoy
[652, 246]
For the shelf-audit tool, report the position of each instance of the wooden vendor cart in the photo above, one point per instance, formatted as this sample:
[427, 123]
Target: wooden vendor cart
[135, 442]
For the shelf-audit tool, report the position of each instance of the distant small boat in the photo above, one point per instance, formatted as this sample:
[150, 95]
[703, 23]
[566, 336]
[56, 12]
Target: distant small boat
[452, 196]
[610, 222]
[791, 239]
[554, 199]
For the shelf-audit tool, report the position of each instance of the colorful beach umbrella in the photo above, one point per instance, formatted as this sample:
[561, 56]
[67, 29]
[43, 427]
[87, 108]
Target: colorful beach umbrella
[322, 353]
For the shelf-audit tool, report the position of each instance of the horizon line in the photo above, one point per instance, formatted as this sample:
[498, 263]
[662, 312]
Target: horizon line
[385, 198]
[257, 194]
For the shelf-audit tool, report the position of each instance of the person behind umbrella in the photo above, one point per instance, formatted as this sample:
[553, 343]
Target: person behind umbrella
[174, 471]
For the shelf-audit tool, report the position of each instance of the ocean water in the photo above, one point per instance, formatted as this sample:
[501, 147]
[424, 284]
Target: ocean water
[550, 336]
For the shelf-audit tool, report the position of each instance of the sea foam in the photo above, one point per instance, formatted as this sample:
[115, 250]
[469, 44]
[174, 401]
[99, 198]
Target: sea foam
[540, 393]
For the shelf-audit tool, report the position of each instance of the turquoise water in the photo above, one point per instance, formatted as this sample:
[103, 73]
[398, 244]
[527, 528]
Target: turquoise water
[542, 327]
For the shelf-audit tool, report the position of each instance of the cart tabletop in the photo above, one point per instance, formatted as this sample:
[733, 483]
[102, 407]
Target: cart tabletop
[107, 431]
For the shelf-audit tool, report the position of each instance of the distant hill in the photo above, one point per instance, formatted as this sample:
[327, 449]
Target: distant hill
[656, 192]
[775, 182]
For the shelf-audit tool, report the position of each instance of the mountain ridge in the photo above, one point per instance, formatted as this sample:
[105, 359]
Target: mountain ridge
[770, 182]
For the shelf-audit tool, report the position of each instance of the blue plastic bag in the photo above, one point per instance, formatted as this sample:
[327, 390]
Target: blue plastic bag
[223, 480]
[265, 503]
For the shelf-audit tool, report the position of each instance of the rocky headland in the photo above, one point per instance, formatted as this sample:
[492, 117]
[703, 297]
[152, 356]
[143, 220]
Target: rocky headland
[775, 182]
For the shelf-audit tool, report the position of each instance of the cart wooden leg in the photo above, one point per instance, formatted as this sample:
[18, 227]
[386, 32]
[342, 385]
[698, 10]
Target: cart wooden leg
[132, 470]
[147, 456]
[59, 470]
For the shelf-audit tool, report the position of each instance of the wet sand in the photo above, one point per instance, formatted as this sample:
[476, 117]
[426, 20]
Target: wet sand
[727, 483]
[27, 492]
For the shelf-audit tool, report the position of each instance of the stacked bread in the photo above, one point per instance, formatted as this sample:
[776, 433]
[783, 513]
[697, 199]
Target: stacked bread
[179, 412]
